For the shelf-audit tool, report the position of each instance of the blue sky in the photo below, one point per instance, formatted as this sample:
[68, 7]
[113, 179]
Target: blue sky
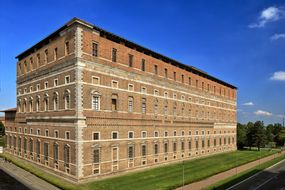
[241, 42]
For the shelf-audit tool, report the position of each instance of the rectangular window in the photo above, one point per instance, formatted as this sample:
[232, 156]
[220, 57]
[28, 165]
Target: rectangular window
[197, 83]
[55, 152]
[156, 92]
[55, 54]
[131, 58]
[144, 134]
[130, 104]
[143, 65]
[155, 69]
[131, 87]
[143, 90]
[56, 135]
[46, 85]
[31, 64]
[155, 133]
[55, 83]
[67, 135]
[96, 136]
[182, 78]
[114, 104]
[143, 150]
[46, 56]
[67, 50]
[114, 55]
[67, 79]
[114, 135]
[174, 76]
[38, 59]
[46, 151]
[165, 73]
[165, 147]
[155, 149]
[131, 152]
[96, 156]
[96, 103]
[115, 84]
[130, 134]
[174, 147]
[143, 105]
[94, 49]
[95, 80]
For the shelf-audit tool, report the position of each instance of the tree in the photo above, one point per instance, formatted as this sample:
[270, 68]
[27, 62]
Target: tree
[2, 128]
[281, 137]
[241, 135]
[249, 134]
[259, 137]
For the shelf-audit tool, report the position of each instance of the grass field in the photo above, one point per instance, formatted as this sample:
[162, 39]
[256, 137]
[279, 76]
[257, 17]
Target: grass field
[224, 184]
[164, 177]
[1, 141]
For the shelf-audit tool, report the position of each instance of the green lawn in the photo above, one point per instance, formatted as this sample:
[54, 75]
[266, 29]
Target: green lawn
[164, 177]
[226, 183]
[2, 141]
[171, 176]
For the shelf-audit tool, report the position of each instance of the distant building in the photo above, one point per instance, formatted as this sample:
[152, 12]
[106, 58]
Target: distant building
[90, 103]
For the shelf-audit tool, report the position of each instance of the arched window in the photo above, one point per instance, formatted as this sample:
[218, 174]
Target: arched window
[31, 104]
[55, 101]
[66, 155]
[37, 103]
[19, 105]
[46, 102]
[25, 105]
[67, 99]
[95, 100]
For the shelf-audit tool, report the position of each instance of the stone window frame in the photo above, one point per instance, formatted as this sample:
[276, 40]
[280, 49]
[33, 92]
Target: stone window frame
[144, 134]
[95, 94]
[133, 134]
[99, 135]
[96, 78]
[67, 134]
[55, 82]
[56, 132]
[55, 101]
[113, 135]
[115, 84]
[67, 79]
[67, 97]
[131, 87]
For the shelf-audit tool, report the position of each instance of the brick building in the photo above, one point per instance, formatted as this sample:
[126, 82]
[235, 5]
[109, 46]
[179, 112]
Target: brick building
[90, 104]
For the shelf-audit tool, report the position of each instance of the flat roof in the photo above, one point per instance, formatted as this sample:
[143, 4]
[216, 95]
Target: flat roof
[9, 110]
[128, 43]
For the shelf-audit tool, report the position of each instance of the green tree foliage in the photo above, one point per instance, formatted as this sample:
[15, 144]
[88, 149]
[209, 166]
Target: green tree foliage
[241, 135]
[281, 137]
[259, 137]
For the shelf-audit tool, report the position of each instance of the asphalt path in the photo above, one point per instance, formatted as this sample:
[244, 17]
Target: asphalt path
[272, 178]
[7, 182]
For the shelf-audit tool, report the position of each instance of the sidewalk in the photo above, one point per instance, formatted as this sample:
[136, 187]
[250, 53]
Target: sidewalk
[218, 177]
[29, 180]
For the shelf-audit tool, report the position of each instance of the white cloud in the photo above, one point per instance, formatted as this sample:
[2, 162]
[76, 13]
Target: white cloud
[262, 113]
[277, 36]
[248, 104]
[280, 75]
[269, 14]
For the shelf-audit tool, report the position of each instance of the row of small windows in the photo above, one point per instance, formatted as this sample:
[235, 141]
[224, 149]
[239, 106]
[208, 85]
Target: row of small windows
[204, 86]
[166, 149]
[115, 84]
[96, 102]
[115, 134]
[22, 104]
[34, 64]
[28, 145]
[46, 85]
[38, 132]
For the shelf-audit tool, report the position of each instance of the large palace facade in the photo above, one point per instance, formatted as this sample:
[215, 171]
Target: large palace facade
[90, 104]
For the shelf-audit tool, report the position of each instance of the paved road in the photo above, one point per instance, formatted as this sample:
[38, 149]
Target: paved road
[28, 180]
[7, 182]
[272, 178]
